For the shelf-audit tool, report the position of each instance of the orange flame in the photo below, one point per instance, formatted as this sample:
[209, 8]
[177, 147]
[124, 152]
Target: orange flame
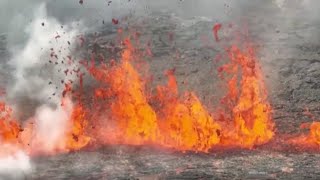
[9, 128]
[75, 137]
[133, 121]
[310, 140]
[185, 124]
[32, 142]
[180, 124]
[314, 136]
[72, 139]
[247, 100]
[9, 132]
[125, 114]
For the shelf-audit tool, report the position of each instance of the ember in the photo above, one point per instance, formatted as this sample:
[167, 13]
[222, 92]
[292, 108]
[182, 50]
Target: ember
[215, 30]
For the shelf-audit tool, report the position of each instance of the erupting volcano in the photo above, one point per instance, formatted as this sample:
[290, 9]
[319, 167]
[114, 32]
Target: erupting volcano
[163, 95]
[247, 100]
[124, 113]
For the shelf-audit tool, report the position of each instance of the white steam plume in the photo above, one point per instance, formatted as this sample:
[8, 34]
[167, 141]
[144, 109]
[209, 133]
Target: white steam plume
[32, 68]
[34, 74]
[48, 41]
[51, 126]
[16, 166]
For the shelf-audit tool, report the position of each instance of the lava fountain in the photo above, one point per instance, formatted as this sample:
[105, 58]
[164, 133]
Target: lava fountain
[122, 112]
[182, 122]
[246, 101]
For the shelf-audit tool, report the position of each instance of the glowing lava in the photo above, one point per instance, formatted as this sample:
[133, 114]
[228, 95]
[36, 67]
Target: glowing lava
[34, 141]
[60, 139]
[181, 124]
[247, 101]
[9, 131]
[184, 122]
[312, 139]
[131, 119]
[122, 112]
[314, 135]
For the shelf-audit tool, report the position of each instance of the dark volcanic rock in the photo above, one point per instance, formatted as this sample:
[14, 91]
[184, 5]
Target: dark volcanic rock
[145, 163]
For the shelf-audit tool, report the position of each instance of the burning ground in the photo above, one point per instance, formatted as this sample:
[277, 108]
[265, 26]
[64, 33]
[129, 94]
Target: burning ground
[169, 97]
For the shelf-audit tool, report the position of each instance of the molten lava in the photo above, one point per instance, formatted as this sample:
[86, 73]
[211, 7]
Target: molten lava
[9, 128]
[75, 137]
[71, 138]
[310, 140]
[32, 141]
[247, 101]
[181, 124]
[9, 132]
[184, 122]
[123, 112]
[132, 120]
[314, 135]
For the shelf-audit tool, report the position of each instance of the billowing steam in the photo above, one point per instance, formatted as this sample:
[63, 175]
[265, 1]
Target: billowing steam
[54, 120]
[15, 167]
[38, 75]
[39, 71]
[39, 61]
